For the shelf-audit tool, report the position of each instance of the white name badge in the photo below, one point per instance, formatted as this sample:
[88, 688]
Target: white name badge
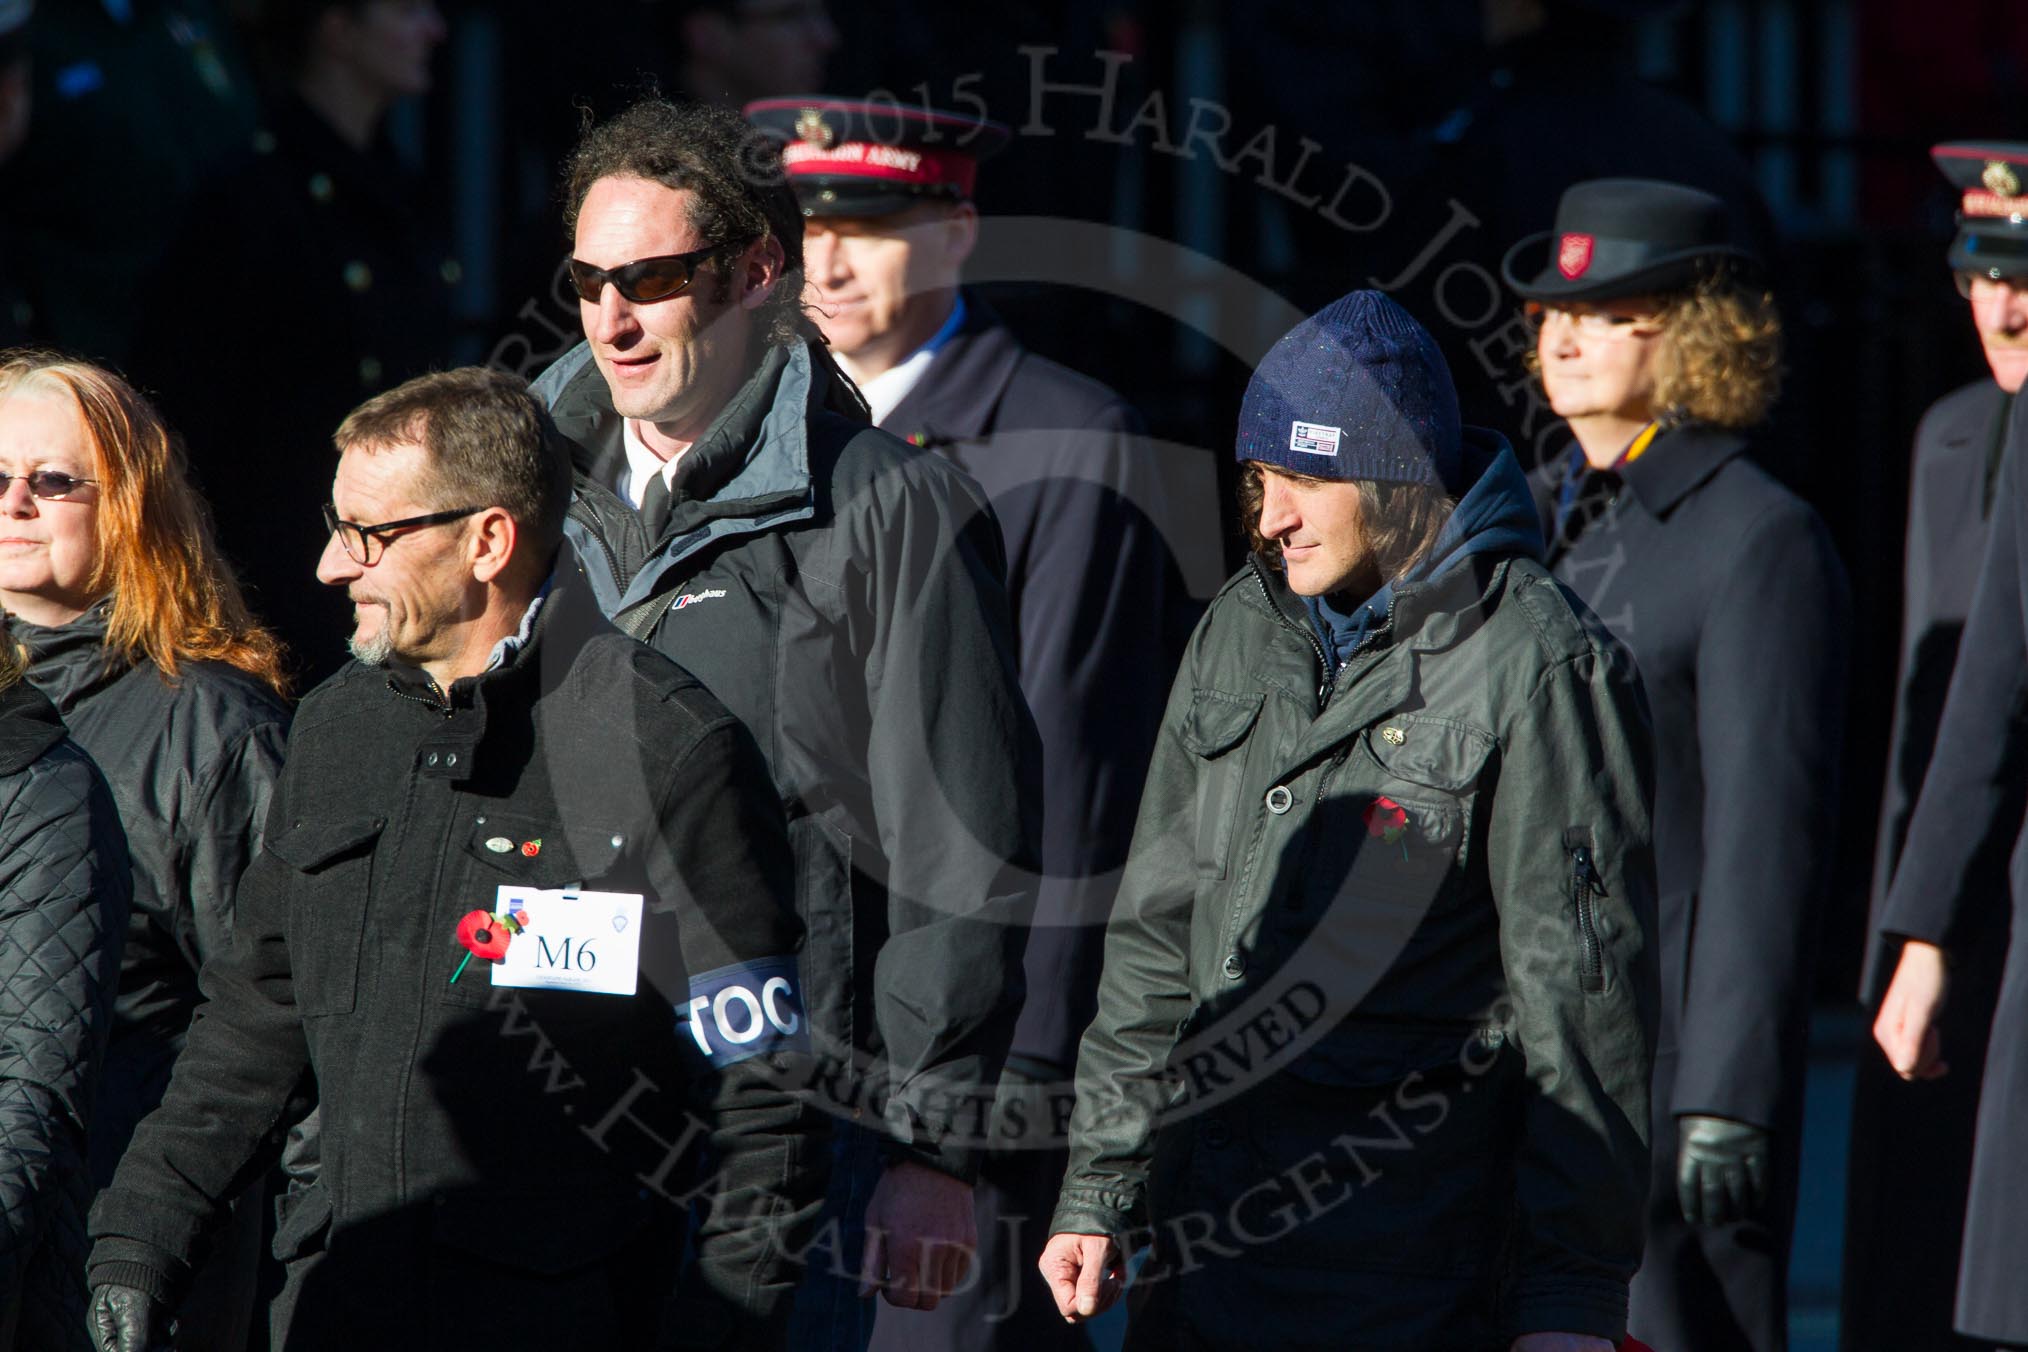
[573, 941]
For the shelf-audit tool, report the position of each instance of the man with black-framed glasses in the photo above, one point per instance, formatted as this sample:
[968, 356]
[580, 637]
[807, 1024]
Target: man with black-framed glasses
[524, 920]
[843, 592]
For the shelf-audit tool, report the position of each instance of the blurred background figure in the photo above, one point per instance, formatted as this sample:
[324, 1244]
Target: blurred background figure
[731, 52]
[1662, 349]
[1912, 1140]
[1099, 610]
[17, 314]
[326, 251]
[63, 908]
[136, 632]
[136, 101]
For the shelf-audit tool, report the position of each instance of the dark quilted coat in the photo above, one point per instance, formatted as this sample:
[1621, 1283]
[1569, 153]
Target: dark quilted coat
[63, 907]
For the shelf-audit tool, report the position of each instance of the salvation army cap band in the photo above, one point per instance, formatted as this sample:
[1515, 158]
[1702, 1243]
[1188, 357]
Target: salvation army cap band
[1992, 236]
[857, 157]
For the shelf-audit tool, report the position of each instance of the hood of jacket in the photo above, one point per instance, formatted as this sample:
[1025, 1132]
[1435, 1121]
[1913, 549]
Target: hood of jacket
[69, 663]
[749, 473]
[1496, 515]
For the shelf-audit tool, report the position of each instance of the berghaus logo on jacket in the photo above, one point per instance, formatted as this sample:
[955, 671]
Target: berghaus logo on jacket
[692, 598]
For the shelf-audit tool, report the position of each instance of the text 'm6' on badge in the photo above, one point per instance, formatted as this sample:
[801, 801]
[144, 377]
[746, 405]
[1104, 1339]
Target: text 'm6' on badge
[744, 1010]
[572, 941]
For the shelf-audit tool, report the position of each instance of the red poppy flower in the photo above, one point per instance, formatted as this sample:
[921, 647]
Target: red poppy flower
[1386, 819]
[485, 936]
[1633, 1344]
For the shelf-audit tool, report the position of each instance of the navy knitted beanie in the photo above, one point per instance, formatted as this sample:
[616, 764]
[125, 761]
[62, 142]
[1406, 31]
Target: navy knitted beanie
[1356, 391]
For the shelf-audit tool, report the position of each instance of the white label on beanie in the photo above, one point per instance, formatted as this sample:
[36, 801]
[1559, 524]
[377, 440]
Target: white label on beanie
[1314, 438]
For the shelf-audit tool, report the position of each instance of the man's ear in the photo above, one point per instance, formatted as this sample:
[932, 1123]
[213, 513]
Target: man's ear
[761, 267]
[961, 235]
[494, 540]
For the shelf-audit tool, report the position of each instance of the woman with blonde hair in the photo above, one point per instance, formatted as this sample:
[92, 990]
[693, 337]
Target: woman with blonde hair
[1662, 350]
[136, 630]
[63, 904]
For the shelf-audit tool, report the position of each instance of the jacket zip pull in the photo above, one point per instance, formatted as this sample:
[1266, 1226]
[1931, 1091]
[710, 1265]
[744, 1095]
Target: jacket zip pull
[1585, 885]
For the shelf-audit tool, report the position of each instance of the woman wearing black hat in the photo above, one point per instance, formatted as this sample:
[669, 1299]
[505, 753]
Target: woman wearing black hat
[1660, 349]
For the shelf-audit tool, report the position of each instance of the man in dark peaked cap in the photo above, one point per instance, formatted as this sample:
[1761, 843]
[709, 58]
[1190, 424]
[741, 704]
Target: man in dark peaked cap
[886, 193]
[1916, 1143]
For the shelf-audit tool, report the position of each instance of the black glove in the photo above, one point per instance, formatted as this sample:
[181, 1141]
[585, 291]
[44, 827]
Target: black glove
[1721, 1169]
[126, 1320]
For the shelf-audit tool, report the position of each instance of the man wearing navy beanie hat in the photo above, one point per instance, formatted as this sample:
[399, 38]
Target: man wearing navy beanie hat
[1392, 890]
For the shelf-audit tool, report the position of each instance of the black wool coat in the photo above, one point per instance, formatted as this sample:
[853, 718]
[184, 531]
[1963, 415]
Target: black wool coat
[63, 907]
[1730, 595]
[1100, 614]
[1941, 895]
[1951, 488]
[1727, 589]
[1912, 1143]
[499, 1167]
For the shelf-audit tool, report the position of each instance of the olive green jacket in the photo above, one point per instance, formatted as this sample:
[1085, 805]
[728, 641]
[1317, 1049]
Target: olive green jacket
[1401, 924]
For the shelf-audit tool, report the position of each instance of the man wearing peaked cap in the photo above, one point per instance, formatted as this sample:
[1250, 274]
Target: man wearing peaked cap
[886, 193]
[1368, 894]
[1931, 1236]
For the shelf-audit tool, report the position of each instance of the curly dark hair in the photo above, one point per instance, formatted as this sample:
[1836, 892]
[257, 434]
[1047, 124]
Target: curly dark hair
[732, 171]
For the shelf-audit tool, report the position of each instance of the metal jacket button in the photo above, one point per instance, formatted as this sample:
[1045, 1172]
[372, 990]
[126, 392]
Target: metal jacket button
[1279, 799]
[1235, 966]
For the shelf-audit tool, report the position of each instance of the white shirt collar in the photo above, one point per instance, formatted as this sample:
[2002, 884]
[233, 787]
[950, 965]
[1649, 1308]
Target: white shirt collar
[885, 391]
[643, 464]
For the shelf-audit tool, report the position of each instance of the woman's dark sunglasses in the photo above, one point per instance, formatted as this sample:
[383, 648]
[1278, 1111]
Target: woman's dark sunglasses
[46, 483]
[645, 280]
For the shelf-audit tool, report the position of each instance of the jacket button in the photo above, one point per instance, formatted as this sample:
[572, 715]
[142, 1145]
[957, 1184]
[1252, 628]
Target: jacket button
[431, 759]
[1235, 966]
[451, 758]
[1217, 1135]
[1279, 799]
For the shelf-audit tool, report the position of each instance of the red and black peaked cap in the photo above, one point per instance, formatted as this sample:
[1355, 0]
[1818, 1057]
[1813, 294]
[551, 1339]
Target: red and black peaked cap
[857, 157]
[1992, 238]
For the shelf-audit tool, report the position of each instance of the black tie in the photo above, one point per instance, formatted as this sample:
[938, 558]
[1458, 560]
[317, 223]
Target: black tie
[655, 506]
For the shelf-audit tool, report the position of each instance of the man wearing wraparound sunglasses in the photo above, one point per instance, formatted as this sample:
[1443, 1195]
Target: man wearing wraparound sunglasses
[843, 592]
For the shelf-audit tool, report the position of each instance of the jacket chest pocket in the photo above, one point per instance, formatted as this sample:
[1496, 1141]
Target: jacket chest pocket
[1215, 733]
[498, 849]
[329, 895]
[1413, 811]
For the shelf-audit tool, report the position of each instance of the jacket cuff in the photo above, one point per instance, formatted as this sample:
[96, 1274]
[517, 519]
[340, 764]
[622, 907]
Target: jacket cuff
[1568, 1305]
[153, 1281]
[1084, 1211]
